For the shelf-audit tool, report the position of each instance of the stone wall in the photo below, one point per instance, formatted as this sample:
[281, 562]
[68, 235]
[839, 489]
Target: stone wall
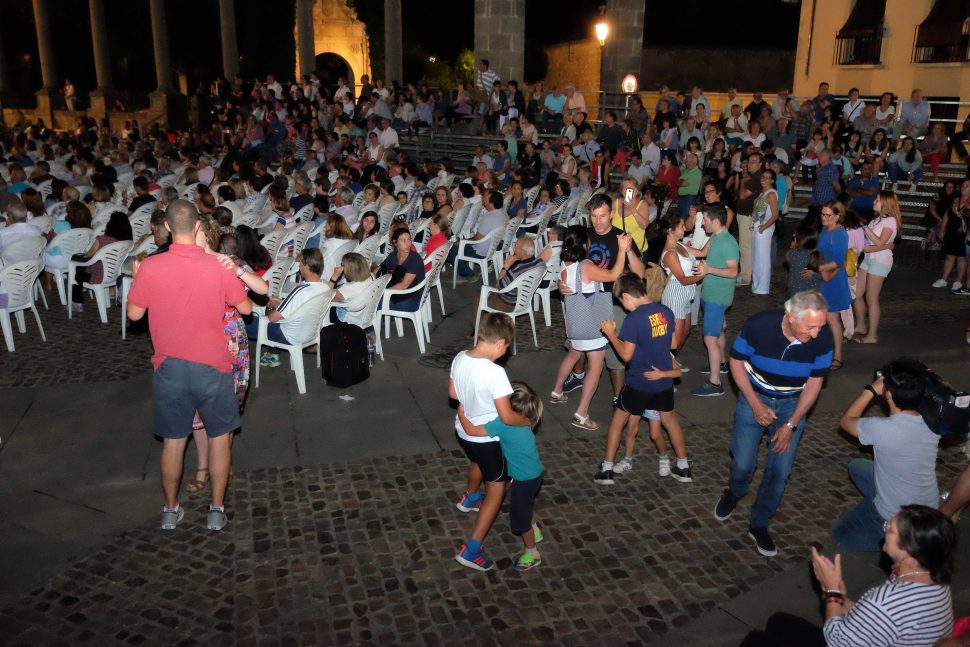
[576, 62]
[717, 69]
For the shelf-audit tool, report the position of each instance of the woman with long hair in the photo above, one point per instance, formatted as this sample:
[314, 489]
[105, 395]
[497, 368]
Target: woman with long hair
[766, 214]
[875, 267]
[833, 244]
[250, 251]
[954, 228]
[680, 290]
[586, 306]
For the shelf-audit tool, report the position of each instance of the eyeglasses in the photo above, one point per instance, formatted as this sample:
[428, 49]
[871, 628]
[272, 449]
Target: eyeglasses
[829, 214]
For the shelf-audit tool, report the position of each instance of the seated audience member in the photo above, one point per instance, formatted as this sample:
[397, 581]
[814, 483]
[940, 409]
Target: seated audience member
[285, 323]
[117, 229]
[520, 261]
[351, 279]
[406, 270]
[439, 231]
[913, 607]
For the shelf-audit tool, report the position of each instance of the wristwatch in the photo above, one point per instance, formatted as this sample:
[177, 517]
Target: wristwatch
[790, 425]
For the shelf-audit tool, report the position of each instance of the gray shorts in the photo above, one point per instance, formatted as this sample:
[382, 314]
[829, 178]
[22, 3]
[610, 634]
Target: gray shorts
[181, 388]
[613, 362]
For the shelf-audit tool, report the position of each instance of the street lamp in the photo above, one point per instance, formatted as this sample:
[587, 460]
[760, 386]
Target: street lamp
[602, 31]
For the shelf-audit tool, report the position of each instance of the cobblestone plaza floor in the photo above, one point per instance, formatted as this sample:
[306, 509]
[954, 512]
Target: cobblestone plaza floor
[342, 520]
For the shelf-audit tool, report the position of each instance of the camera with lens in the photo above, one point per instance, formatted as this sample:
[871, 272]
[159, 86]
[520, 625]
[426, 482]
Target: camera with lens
[945, 410]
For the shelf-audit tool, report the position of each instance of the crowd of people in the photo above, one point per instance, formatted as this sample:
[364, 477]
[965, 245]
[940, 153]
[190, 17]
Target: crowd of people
[674, 200]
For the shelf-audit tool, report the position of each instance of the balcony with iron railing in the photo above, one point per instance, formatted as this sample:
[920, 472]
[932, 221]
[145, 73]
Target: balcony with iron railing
[956, 52]
[859, 50]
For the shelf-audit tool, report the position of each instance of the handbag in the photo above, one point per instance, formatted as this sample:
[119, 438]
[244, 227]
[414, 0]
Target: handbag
[851, 262]
[585, 312]
[656, 280]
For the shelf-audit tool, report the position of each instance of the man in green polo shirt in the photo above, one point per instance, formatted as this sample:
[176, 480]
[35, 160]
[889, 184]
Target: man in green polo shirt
[717, 294]
[690, 185]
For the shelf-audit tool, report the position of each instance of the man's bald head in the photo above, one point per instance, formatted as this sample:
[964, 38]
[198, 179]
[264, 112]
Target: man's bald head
[181, 217]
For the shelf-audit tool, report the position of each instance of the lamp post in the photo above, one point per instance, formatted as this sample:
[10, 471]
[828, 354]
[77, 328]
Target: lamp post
[602, 29]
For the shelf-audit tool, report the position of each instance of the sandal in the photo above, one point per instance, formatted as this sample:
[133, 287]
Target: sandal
[195, 485]
[583, 422]
[836, 365]
[558, 398]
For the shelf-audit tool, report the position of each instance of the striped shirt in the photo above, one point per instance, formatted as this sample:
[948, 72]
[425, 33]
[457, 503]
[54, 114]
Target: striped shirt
[776, 366]
[900, 613]
[486, 80]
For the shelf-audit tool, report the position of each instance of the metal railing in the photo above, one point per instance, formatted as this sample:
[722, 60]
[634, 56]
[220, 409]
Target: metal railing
[859, 51]
[958, 52]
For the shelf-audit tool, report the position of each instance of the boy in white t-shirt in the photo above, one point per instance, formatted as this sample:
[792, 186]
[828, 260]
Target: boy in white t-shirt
[483, 389]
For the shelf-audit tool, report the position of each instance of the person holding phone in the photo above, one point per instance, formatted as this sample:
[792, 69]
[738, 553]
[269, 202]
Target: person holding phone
[632, 214]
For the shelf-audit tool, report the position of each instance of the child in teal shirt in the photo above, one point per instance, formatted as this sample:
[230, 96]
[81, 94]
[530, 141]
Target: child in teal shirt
[525, 468]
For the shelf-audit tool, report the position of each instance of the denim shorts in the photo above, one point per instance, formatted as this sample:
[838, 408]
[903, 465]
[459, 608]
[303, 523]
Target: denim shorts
[713, 318]
[181, 388]
[876, 269]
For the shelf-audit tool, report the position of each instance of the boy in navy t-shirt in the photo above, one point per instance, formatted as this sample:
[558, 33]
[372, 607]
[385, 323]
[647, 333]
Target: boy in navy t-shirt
[643, 342]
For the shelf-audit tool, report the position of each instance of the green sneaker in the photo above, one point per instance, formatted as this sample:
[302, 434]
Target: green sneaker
[528, 561]
[536, 532]
[271, 360]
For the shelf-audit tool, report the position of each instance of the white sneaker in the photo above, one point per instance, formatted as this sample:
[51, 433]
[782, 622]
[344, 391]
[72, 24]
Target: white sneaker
[939, 283]
[956, 286]
[664, 464]
[624, 465]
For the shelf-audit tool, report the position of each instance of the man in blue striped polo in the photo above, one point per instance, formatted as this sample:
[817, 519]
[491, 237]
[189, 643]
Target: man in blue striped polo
[778, 362]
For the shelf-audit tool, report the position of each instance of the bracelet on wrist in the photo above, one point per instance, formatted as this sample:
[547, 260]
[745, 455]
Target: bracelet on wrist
[835, 599]
[835, 592]
[871, 390]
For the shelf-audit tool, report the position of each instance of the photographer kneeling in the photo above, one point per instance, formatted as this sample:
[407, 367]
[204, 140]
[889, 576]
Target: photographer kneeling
[904, 468]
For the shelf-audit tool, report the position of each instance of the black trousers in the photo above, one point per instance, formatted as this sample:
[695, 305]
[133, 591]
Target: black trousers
[786, 630]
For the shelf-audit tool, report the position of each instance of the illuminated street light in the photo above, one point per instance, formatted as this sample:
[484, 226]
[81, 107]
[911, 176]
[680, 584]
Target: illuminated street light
[602, 31]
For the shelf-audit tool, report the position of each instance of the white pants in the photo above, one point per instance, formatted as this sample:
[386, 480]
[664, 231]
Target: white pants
[761, 260]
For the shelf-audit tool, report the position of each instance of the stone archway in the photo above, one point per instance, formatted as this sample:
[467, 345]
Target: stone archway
[337, 30]
[330, 67]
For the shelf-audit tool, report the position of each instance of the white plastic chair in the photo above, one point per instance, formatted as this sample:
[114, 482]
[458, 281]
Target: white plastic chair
[526, 284]
[44, 223]
[25, 249]
[417, 227]
[111, 257]
[332, 259]
[18, 280]
[140, 221]
[126, 281]
[297, 237]
[273, 242]
[530, 197]
[304, 214]
[311, 314]
[494, 238]
[275, 276]
[385, 215]
[374, 296]
[505, 248]
[45, 189]
[419, 317]
[368, 247]
[248, 219]
[439, 255]
[543, 297]
[458, 219]
[71, 242]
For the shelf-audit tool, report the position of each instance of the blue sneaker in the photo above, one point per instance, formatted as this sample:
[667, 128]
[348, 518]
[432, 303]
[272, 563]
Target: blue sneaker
[469, 502]
[572, 383]
[272, 360]
[478, 561]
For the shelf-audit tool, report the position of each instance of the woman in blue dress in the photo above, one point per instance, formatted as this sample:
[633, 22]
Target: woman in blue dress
[833, 244]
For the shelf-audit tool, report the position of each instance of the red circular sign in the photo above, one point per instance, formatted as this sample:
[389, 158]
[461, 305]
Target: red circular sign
[629, 84]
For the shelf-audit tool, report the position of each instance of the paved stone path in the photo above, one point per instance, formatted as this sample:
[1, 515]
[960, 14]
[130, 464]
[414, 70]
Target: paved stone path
[361, 550]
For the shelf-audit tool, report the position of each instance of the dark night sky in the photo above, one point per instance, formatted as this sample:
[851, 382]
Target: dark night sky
[439, 27]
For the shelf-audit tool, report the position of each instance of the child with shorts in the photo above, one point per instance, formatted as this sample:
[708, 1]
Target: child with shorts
[482, 388]
[519, 449]
[644, 342]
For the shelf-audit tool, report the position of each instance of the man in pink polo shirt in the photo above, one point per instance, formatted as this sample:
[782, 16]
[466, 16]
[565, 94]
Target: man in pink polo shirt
[187, 291]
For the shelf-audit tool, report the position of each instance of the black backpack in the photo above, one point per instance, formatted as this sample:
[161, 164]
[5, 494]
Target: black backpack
[343, 355]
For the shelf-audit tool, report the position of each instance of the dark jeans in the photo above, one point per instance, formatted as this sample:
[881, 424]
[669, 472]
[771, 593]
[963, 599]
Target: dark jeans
[273, 331]
[464, 267]
[786, 630]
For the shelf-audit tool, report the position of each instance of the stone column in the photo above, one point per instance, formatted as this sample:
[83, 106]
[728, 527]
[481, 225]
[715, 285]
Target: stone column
[623, 51]
[230, 50]
[4, 79]
[163, 65]
[100, 98]
[500, 36]
[306, 59]
[393, 43]
[46, 48]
